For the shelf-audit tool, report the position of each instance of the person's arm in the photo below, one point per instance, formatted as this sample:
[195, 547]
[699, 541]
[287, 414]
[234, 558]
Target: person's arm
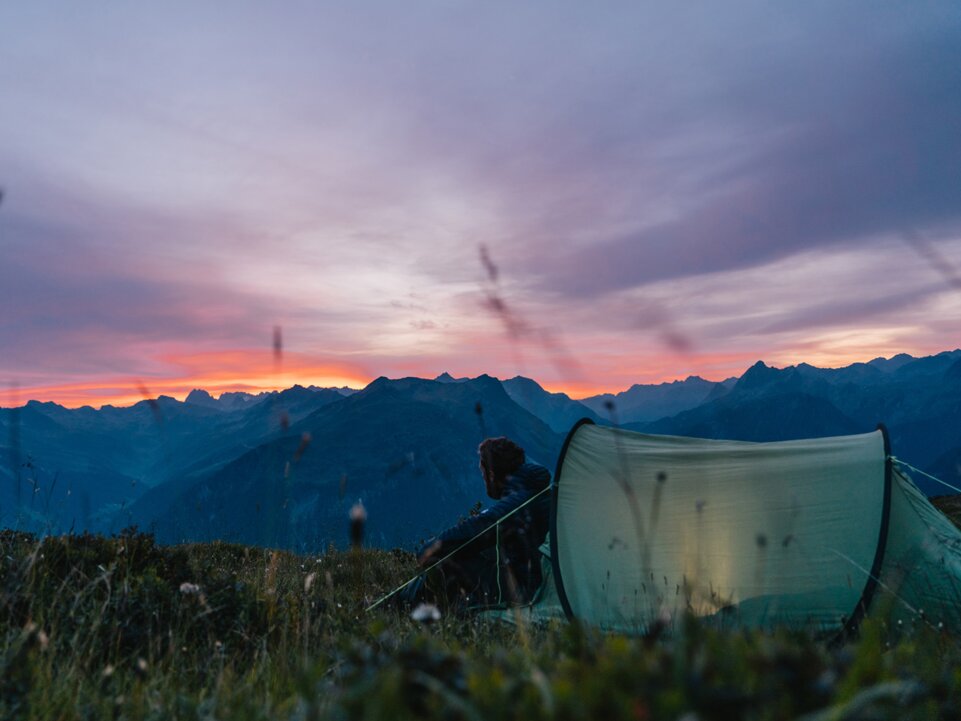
[484, 524]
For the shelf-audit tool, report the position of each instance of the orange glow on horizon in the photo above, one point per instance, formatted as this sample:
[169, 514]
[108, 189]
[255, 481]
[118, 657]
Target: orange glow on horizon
[216, 372]
[254, 371]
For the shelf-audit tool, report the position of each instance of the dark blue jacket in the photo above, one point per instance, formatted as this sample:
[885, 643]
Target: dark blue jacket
[520, 535]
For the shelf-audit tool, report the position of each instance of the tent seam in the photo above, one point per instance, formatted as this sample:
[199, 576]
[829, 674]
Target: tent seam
[870, 588]
[555, 556]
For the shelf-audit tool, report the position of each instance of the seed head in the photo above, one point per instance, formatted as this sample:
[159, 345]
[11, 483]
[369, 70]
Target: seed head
[358, 512]
[425, 613]
[358, 517]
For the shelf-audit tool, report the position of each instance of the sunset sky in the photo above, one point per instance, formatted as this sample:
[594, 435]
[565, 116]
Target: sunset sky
[589, 194]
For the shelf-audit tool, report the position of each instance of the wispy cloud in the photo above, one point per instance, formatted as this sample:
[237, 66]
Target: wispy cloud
[642, 176]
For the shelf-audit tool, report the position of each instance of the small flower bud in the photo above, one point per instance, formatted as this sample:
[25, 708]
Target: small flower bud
[426, 613]
[358, 517]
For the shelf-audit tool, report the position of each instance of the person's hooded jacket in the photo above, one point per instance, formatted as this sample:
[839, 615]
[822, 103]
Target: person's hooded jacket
[517, 537]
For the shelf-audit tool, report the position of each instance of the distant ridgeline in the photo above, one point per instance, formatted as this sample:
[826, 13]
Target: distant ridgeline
[283, 469]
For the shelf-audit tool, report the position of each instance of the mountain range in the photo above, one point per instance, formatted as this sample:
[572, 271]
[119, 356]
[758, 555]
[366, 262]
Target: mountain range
[284, 468]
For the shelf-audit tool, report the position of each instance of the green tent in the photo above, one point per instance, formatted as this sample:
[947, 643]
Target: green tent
[806, 534]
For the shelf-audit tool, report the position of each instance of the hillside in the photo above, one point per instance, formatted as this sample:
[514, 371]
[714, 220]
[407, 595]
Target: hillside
[209, 466]
[406, 448]
[643, 403]
[94, 627]
[918, 400]
[774, 417]
[85, 465]
[557, 410]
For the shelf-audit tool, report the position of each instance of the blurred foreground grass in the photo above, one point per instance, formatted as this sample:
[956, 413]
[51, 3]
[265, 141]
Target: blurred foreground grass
[121, 628]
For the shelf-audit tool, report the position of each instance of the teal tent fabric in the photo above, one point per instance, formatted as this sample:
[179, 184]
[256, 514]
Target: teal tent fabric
[808, 534]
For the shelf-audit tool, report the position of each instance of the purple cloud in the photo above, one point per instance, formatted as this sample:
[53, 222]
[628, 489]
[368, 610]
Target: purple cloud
[334, 169]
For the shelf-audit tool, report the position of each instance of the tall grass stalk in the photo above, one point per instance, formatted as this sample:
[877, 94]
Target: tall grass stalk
[95, 627]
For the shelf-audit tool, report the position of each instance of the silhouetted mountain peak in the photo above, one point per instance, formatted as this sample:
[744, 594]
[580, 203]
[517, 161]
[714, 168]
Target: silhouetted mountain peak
[935, 365]
[485, 381]
[378, 383]
[42, 404]
[889, 365]
[690, 381]
[200, 397]
[296, 393]
[342, 390]
[239, 400]
[524, 381]
[384, 384]
[757, 376]
[558, 410]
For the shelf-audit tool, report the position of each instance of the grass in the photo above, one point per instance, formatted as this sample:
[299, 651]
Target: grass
[122, 628]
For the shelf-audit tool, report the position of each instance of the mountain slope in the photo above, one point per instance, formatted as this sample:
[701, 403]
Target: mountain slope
[86, 463]
[918, 400]
[406, 448]
[557, 410]
[642, 403]
[776, 417]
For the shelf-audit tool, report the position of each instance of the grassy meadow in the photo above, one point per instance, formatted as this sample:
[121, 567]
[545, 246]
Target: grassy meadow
[121, 628]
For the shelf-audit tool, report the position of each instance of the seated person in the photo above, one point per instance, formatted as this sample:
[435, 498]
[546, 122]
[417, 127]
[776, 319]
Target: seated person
[494, 563]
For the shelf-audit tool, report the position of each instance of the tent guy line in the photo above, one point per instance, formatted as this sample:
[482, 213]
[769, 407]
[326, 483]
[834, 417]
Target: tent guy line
[437, 563]
[877, 580]
[926, 475]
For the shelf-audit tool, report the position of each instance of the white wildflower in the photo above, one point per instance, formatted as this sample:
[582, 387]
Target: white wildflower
[426, 613]
[189, 589]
